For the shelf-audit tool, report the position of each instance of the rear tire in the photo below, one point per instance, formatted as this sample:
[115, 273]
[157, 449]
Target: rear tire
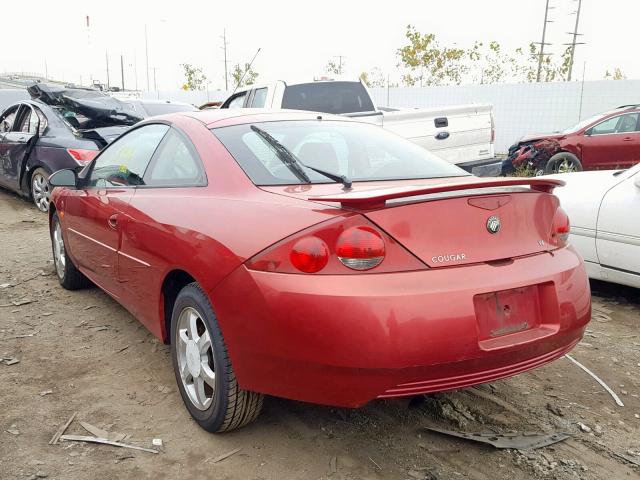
[203, 369]
[40, 190]
[563, 162]
[68, 275]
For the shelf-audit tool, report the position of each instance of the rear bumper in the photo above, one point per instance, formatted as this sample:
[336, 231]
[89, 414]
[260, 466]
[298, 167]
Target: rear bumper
[347, 339]
[490, 167]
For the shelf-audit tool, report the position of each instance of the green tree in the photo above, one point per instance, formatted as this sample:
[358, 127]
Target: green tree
[374, 78]
[428, 62]
[334, 67]
[616, 75]
[238, 72]
[194, 78]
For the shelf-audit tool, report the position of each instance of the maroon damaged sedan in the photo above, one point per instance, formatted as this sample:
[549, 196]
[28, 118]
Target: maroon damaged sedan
[606, 141]
[318, 258]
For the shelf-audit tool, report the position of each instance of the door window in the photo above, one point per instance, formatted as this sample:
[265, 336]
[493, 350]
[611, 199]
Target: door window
[620, 124]
[123, 163]
[627, 123]
[7, 119]
[259, 98]
[237, 101]
[175, 163]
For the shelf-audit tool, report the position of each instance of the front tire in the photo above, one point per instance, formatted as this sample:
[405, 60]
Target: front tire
[68, 275]
[203, 369]
[40, 189]
[563, 162]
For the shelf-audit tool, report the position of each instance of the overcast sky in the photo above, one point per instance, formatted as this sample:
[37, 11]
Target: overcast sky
[297, 38]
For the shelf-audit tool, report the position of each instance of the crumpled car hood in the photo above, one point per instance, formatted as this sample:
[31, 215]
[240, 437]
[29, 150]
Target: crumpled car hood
[93, 104]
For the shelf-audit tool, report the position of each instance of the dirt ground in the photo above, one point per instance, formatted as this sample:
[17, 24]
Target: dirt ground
[82, 352]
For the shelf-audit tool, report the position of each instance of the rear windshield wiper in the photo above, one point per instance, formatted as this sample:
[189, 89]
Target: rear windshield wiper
[294, 164]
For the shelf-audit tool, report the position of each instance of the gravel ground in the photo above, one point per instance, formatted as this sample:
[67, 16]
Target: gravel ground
[82, 352]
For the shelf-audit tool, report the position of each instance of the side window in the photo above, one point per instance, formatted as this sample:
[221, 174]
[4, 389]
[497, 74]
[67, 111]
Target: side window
[627, 123]
[43, 121]
[24, 120]
[259, 98]
[33, 121]
[237, 101]
[7, 119]
[603, 128]
[175, 163]
[123, 163]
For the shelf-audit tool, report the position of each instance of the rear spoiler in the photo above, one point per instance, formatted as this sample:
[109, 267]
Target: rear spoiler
[377, 197]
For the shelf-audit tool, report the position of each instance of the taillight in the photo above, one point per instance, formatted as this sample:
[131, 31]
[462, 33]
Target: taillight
[341, 245]
[309, 255]
[81, 155]
[561, 228]
[360, 248]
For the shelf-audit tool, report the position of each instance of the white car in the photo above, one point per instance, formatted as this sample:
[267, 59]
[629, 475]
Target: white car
[461, 134]
[604, 210]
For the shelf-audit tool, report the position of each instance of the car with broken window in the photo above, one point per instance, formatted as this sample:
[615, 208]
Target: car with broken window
[606, 141]
[59, 127]
[317, 258]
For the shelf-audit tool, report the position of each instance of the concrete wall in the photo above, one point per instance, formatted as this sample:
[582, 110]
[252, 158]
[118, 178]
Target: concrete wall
[522, 108]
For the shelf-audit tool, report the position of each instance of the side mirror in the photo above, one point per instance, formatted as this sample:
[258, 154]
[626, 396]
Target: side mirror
[64, 178]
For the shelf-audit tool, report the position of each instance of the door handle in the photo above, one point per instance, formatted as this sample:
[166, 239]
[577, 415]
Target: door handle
[627, 139]
[113, 221]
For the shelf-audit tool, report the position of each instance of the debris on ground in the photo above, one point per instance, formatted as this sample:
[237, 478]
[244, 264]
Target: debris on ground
[584, 427]
[46, 392]
[374, 462]
[100, 433]
[157, 442]
[517, 441]
[104, 441]
[10, 360]
[333, 464]
[597, 379]
[224, 456]
[62, 429]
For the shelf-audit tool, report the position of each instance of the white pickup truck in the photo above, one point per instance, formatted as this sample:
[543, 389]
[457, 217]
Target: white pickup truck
[462, 135]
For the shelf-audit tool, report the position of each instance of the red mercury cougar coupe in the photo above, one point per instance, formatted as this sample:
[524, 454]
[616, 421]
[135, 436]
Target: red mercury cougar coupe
[317, 258]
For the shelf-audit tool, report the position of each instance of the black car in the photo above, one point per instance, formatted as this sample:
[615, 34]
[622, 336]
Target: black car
[58, 128]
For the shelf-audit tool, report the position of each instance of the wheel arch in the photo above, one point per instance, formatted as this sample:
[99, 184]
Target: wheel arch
[173, 282]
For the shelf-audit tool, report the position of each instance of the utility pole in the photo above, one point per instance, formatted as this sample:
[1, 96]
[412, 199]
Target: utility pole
[542, 43]
[224, 47]
[122, 70]
[339, 57]
[574, 43]
[146, 53]
[106, 56]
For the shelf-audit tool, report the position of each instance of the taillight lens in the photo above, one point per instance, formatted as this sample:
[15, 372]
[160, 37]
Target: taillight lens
[360, 248]
[309, 255]
[343, 245]
[561, 228]
[81, 155]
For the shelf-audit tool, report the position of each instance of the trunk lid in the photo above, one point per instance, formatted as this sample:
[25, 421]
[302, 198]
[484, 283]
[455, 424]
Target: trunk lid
[447, 222]
[470, 229]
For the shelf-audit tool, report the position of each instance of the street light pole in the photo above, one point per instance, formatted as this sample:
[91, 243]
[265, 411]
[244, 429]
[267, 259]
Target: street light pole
[574, 43]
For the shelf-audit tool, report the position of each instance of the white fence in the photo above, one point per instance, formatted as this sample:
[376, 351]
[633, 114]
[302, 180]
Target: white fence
[520, 108]
[524, 108]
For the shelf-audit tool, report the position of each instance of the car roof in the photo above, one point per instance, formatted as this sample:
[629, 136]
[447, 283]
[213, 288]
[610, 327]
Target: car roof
[237, 116]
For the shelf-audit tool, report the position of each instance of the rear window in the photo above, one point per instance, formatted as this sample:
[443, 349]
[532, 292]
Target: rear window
[360, 151]
[329, 97]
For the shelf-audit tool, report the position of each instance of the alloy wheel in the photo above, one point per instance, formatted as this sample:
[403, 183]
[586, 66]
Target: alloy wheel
[566, 166]
[40, 191]
[196, 362]
[59, 256]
